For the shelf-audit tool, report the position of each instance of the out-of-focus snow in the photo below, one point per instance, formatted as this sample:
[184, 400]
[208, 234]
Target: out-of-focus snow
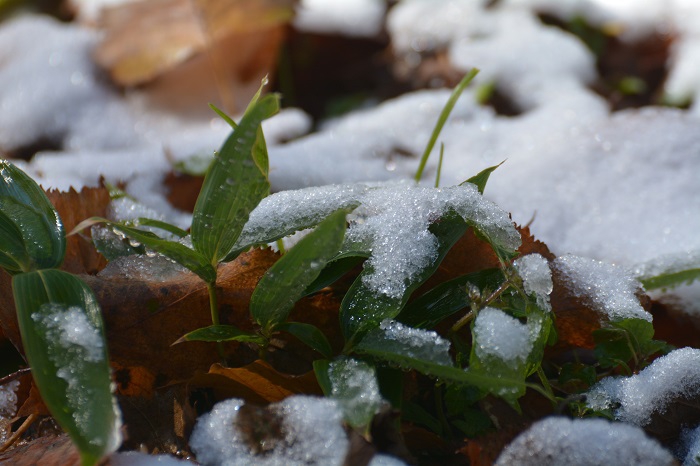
[634, 399]
[358, 18]
[559, 441]
[310, 433]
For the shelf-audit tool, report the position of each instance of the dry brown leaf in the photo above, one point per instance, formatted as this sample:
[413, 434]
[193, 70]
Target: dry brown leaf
[145, 39]
[257, 382]
[73, 207]
[44, 451]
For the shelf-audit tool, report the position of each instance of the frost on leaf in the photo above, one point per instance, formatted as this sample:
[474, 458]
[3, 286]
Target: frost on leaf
[299, 430]
[391, 223]
[637, 398]
[579, 442]
[608, 289]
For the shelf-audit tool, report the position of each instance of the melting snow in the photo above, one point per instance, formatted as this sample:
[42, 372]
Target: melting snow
[670, 377]
[558, 441]
[425, 345]
[609, 289]
[311, 433]
[356, 389]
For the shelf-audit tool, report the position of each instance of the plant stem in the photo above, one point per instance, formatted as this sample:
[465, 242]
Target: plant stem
[214, 308]
[471, 314]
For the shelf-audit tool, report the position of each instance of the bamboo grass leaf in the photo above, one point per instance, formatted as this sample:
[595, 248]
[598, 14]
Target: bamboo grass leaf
[63, 336]
[309, 335]
[234, 185]
[221, 333]
[285, 282]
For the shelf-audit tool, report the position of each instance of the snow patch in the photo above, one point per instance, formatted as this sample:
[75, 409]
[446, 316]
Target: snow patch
[537, 278]
[499, 335]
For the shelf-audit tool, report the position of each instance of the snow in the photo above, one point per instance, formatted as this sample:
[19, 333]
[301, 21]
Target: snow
[559, 441]
[498, 335]
[385, 460]
[146, 267]
[634, 399]
[72, 331]
[395, 337]
[537, 278]
[609, 289]
[311, 433]
[8, 399]
[392, 222]
[77, 340]
[688, 446]
[356, 18]
[134, 458]
[355, 387]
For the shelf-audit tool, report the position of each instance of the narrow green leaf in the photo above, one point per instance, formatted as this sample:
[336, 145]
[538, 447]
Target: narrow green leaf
[165, 226]
[671, 279]
[333, 271]
[443, 118]
[321, 370]
[63, 337]
[400, 356]
[448, 298]
[481, 178]
[223, 116]
[24, 202]
[354, 385]
[186, 257]
[234, 185]
[362, 309]
[221, 333]
[284, 283]
[413, 412]
[309, 335]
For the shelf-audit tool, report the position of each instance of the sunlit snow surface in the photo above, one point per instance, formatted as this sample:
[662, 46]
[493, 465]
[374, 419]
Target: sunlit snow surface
[537, 278]
[310, 434]
[559, 441]
[634, 399]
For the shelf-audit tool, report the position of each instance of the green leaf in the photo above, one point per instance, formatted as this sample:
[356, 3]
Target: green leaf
[24, 203]
[333, 271]
[362, 309]
[309, 335]
[13, 254]
[481, 178]
[221, 333]
[671, 279]
[186, 257]
[234, 185]
[443, 118]
[354, 385]
[285, 282]
[413, 412]
[448, 298]
[624, 341]
[404, 357]
[63, 337]
[321, 370]
[165, 226]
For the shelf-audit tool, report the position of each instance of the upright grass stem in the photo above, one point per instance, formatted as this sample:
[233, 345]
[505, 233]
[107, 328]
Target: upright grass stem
[442, 119]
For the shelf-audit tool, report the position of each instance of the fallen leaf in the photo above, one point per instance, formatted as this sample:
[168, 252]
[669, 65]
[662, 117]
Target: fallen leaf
[45, 451]
[146, 39]
[257, 382]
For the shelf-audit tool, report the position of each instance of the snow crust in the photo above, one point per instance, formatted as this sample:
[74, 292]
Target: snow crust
[611, 290]
[559, 441]
[311, 434]
[357, 18]
[634, 399]
[499, 335]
